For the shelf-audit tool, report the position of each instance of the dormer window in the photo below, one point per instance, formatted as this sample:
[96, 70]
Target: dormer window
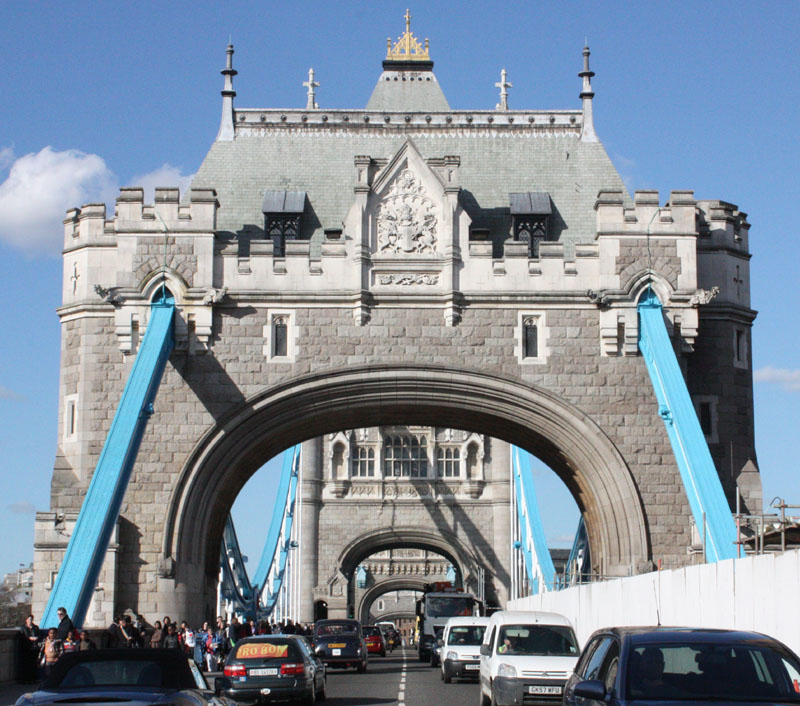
[282, 212]
[530, 215]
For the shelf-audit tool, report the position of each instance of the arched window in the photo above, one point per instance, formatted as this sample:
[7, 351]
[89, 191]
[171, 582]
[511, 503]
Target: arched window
[405, 456]
[364, 462]
[337, 462]
[448, 462]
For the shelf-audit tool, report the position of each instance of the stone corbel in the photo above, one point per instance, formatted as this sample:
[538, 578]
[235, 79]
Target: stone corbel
[214, 296]
[108, 295]
[166, 567]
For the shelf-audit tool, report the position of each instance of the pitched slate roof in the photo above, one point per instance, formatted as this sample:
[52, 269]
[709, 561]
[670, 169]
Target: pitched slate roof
[495, 160]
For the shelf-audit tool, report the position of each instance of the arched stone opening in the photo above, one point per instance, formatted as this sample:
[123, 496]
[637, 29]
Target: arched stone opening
[401, 583]
[534, 419]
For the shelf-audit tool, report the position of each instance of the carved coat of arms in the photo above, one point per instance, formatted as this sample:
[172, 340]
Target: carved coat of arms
[406, 218]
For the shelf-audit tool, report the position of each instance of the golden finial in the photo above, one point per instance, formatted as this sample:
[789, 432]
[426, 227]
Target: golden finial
[407, 47]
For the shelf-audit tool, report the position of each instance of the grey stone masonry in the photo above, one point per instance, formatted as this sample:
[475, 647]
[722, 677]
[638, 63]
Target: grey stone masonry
[402, 298]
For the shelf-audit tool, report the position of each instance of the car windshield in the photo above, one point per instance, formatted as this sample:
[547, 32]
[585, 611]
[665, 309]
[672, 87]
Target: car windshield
[448, 606]
[370, 631]
[696, 671]
[121, 672]
[466, 635]
[555, 640]
[333, 629]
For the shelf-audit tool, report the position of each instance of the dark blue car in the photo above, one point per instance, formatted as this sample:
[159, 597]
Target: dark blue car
[669, 665]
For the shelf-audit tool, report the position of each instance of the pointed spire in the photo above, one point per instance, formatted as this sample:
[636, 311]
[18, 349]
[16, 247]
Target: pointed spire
[587, 131]
[504, 85]
[311, 84]
[226, 130]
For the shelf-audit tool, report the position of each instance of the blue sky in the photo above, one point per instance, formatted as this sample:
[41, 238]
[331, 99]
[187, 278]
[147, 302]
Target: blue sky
[699, 95]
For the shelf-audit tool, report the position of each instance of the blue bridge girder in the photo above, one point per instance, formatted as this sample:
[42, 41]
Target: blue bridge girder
[74, 585]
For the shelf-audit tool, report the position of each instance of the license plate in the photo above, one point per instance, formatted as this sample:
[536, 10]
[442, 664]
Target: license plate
[337, 644]
[336, 652]
[544, 689]
[265, 692]
[472, 666]
[262, 672]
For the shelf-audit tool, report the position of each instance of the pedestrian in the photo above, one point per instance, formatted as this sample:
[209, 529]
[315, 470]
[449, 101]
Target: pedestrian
[30, 649]
[86, 643]
[172, 640]
[158, 635]
[51, 650]
[65, 626]
[132, 632]
[212, 650]
[118, 635]
[140, 625]
[187, 638]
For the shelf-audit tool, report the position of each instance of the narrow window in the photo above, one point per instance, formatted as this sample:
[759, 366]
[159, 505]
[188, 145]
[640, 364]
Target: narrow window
[740, 355]
[705, 418]
[620, 337]
[280, 337]
[71, 418]
[530, 339]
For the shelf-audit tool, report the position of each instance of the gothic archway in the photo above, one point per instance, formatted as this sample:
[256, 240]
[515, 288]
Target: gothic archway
[534, 419]
[399, 583]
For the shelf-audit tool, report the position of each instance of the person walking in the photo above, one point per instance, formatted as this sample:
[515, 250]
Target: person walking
[86, 643]
[172, 640]
[51, 650]
[65, 626]
[30, 649]
[157, 637]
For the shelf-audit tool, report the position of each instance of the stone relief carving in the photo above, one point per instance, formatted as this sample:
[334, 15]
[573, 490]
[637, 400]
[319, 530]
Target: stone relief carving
[407, 279]
[406, 218]
[214, 296]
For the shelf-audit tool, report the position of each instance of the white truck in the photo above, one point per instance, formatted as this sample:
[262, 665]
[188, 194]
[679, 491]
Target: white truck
[435, 608]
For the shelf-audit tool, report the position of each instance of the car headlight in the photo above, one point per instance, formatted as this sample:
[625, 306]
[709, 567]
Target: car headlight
[506, 670]
[452, 656]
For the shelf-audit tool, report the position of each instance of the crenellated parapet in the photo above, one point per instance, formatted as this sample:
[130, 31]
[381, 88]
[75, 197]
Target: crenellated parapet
[117, 265]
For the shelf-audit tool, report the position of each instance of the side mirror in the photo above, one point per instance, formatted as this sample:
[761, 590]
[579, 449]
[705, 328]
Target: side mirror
[486, 650]
[222, 684]
[591, 689]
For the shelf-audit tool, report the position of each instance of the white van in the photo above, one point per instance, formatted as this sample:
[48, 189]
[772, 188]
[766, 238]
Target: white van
[526, 655]
[461, 646]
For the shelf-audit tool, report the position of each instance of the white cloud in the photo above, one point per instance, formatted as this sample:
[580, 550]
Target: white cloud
[787, 379]
[7, 394]
[165, 175]
[6, 157]
[40, 187]
[22, 508]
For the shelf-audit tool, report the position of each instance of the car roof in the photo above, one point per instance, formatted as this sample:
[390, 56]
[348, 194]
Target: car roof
[643, 634]
[269, 638]
[528, 616]
[467, 620]
[328, 621]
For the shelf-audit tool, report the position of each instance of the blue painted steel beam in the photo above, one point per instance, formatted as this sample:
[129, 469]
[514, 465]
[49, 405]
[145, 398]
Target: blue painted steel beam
[235, 583]
[538, 562]
[77, 577]
[712, 515]
[278, 511]
[285, 545]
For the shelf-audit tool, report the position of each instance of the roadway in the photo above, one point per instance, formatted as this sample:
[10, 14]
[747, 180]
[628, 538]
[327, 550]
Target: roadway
[398, 678]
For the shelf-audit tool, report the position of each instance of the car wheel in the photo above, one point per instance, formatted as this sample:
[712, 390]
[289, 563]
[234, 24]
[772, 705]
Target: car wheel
[311, 699]
[446, 678]
[321, 693]
[493, 700]
[485, 700]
